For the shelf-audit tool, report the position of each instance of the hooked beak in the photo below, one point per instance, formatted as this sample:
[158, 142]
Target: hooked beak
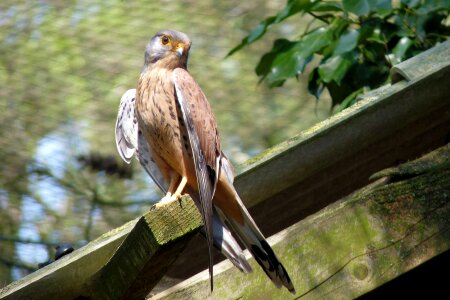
[179, 49]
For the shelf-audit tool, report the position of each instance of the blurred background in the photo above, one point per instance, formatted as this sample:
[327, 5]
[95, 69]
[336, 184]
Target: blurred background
[63, 68]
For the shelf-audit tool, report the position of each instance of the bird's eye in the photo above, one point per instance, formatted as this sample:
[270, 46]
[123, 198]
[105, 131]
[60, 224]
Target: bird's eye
[165, 40]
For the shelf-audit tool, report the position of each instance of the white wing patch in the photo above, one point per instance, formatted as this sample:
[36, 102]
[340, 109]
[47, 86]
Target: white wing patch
[130, 141]
[126, 127]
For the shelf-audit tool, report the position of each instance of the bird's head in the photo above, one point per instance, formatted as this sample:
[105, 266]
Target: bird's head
[169, 49]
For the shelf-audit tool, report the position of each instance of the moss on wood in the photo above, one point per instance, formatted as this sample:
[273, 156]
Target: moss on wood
[351, 246]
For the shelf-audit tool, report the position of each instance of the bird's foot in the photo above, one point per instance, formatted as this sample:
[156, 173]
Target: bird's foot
[168, 198]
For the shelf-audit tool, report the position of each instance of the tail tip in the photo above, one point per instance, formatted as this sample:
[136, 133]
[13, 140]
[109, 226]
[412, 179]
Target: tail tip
[291, 289]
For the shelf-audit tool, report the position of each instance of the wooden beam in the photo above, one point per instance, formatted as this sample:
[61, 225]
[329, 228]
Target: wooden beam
[352, 246]
[125, 263]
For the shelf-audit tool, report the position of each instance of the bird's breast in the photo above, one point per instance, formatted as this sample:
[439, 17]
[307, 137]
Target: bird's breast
[161, 121]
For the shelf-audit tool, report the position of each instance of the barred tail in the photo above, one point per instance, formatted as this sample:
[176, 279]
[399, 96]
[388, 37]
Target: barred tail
[234, 214]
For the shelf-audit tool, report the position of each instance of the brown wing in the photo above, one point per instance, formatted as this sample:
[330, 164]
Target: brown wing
[204, 142]
[202, 116]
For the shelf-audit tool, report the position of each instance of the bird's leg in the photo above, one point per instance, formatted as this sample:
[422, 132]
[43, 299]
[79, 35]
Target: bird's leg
[174, 178]
[180, 188]
[171, 195]
[173, 184]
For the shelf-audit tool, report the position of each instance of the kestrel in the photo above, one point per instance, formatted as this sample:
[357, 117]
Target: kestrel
[168, 123]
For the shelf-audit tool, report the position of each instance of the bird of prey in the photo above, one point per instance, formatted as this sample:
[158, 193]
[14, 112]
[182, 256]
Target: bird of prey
[168, 124]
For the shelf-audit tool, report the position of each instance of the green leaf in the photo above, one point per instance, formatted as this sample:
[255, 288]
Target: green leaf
[336, 67]
[254, 35]
[347, 42]
[358, 7]
[348, 101]
[287, 65]
[335, 30]
[382, 7]
[324, 6]
[289, 59]
[363, 7]
[370, 54]
[337, 27]
[315, 85]
[338, 92]
[293, 60]
[293, 7]
[260, 30]
[410, 3]
[399, 51]
[375, 53]
[376, 37]
[265, 64]
[432, 6]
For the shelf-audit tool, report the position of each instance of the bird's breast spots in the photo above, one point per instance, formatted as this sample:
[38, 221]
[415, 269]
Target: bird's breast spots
[172, 113]
[160, 80]
[167, 95]
[153, 99]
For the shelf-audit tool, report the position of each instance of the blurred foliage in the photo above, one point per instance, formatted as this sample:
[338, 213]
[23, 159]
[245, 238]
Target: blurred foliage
[358, 42]
[63, 67]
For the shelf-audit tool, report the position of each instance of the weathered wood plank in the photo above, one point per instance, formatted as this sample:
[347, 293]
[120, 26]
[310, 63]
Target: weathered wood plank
[422, 65]
[395, 123]
[354, 245]
[122, 264]
[63, 276]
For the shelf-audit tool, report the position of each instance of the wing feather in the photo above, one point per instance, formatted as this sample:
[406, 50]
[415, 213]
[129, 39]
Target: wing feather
[227, 168]
[126, 128]
[203, 139]
[130, 141]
